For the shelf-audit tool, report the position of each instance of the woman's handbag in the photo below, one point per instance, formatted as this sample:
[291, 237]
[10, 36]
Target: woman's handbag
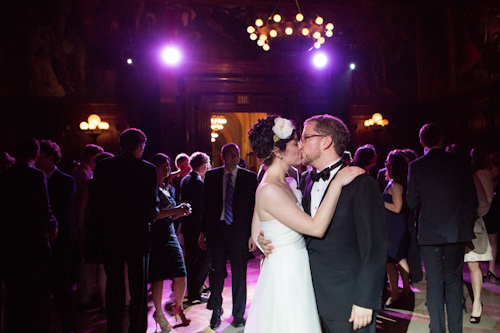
[481, 241]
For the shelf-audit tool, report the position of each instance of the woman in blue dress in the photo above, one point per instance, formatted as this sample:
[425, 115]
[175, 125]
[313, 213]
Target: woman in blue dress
[166, 259]
[395, 204]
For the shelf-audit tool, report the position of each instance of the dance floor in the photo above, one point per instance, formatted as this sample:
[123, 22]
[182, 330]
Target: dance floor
[409, 316]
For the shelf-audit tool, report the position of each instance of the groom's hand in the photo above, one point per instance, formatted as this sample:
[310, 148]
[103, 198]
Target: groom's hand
[264, 244]
[360, 317]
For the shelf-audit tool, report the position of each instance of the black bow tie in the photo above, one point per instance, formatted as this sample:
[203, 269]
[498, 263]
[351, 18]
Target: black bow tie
[325, 173]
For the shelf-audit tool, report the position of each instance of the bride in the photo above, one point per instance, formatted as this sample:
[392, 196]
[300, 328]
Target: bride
[284, 297]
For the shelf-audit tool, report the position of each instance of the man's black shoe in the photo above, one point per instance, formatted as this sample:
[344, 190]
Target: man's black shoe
[238, 322]
[215, 321]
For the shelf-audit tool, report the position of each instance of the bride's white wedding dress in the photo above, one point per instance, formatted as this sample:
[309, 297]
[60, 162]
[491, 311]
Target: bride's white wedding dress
[284, 299]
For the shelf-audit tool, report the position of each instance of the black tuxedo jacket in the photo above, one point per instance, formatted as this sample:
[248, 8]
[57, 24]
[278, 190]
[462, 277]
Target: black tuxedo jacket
[192, 193]
[442, 183]
[243, 203]
[348, 264]
[125, 192]
[61, 188]
[25, 215]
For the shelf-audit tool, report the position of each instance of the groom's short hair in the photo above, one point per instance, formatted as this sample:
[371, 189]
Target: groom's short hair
[333, 127]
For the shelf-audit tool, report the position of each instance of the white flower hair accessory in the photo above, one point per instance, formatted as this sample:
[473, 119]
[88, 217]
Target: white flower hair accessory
[282, 129]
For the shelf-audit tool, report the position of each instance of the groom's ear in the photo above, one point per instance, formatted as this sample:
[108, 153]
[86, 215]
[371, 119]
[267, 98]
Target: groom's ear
[327, 142]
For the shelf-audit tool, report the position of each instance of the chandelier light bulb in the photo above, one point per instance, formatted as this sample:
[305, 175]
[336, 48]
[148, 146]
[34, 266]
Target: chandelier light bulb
[253, 36]
[260, 42]
[277, 18]
[223, 121]
[371, 122]
[329, 26]
[103, 125]
[377, 117]
[212, 139]
[250, 29]
[263, 37]
[273, 33]
[94, 119]
[319, 20]
[299, 17]
[385, 122]
[367, 123]
[305, 31]
[259, 23]
[266, 47]
[92, 126]
[289, 31]
[84, 126]
[317, 45]
[317, 35]
[329, 33]
[321, 40]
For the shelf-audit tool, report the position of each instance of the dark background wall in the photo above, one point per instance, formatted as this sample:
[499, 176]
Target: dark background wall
[417, 62]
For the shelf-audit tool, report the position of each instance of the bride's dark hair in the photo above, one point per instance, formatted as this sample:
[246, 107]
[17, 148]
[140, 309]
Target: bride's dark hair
[261, 139]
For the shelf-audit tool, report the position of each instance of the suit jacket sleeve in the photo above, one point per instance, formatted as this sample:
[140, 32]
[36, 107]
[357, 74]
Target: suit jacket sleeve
[412, 195]
[41, 205]
[192, 193]
[205, 200]
[371, 230]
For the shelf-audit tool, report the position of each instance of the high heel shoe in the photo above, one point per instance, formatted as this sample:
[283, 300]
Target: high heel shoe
[163, 322]
[476, 320]
[492, 275]
[178, 312]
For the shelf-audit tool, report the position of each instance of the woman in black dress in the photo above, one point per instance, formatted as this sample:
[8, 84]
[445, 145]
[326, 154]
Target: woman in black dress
[396, 209]
[167, 260]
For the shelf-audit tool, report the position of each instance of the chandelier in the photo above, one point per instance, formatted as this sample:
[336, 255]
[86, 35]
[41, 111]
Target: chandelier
[216, 124]
[290, 34]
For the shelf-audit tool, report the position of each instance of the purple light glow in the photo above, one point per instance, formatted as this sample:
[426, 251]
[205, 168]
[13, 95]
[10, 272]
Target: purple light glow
[320, 60]
[171, 55]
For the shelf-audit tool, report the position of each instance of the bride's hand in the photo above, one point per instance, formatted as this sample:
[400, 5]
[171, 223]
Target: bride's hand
[347, 174]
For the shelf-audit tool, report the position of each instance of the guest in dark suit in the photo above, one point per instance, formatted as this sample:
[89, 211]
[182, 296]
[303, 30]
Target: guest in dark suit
[125, 206]
[26, 227]
[442, 183]
[61, 188]
[197, 260]
[228, 203]
[348, 263]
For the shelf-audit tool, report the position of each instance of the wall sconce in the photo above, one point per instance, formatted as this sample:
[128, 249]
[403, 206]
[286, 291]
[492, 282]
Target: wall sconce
[377, 123]
[94, 126]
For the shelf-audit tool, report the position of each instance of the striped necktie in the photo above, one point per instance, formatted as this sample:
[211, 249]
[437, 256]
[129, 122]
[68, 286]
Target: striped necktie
[228, 202]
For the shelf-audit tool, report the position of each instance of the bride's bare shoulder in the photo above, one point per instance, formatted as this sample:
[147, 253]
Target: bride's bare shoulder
[270, 190]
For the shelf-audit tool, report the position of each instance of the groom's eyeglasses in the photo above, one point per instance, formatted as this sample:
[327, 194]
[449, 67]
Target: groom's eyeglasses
[304, 137]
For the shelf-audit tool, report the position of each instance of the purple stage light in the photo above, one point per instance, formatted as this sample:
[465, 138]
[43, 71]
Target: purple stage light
[320, 60]
[171, 55]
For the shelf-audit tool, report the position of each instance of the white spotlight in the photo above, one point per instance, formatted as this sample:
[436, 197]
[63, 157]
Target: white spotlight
[352, 66]
[320, 60]
[170, 55]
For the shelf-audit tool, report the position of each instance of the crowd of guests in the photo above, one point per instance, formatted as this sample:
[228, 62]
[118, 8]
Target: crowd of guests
[119, 222]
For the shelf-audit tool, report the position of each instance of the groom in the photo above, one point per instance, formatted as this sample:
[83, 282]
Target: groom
[348, 264]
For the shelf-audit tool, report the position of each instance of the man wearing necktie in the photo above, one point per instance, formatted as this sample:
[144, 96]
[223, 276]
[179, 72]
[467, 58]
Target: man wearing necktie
[348, 263]
[228, 203]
